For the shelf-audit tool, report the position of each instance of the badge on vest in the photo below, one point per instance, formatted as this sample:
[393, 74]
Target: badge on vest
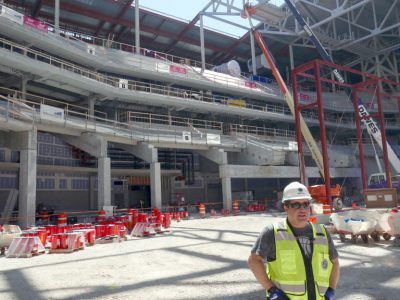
[324, 264]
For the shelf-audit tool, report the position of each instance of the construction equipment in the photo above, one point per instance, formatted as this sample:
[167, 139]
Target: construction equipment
[366, 118]
[318, 193]
[362, 111]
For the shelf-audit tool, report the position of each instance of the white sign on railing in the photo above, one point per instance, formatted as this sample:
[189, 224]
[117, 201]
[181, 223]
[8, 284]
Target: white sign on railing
[91, 49]
[213, 139]
[187, 136]
[12, 15]
[293, 146]
[51, 112]
[123, 83]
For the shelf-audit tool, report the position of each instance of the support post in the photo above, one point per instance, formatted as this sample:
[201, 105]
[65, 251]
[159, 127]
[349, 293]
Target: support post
[137, 27]
[303, 176]
[323, 133]
[383, 133]
[359, 139]
[253, 54]
[155, 181]
[57, 16]
[226, 192]
[27, 178]
[104, 182]
[202, 50]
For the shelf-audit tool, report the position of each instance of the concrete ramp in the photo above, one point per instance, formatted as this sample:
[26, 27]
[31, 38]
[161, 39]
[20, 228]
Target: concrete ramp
[339, 157]
[10, 204]
[262, 153]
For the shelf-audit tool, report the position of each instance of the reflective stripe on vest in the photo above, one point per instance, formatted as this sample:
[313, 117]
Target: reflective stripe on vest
[288, 271]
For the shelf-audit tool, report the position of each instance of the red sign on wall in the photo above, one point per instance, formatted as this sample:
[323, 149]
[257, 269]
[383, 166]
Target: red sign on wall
[177, 69]
[304, 97]
[36, 24]
[251, 85]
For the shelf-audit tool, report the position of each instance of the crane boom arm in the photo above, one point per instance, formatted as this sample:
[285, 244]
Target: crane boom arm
[312, 144]
[374, 130]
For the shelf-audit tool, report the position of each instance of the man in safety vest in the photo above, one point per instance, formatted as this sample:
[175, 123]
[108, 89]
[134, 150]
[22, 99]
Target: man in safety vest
[302, 262]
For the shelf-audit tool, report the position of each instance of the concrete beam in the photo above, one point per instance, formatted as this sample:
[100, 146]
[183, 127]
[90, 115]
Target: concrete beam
[146, 152]
[245, 171]
[93, 144]
[24, 140]
[215, 155]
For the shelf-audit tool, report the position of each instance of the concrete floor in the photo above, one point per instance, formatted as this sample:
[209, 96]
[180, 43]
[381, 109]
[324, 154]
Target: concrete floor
[198, 259]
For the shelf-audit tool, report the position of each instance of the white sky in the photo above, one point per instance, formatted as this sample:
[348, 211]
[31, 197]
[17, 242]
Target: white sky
[187, 10]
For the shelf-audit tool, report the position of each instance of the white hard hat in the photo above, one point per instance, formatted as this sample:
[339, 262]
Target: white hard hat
[295, 191]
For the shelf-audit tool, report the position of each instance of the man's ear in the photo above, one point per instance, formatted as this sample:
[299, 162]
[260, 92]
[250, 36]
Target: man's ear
[285, 207]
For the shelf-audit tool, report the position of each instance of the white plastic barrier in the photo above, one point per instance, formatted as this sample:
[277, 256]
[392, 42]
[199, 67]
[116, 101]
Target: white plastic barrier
[390, 223]
[8, 233]
[355, 221]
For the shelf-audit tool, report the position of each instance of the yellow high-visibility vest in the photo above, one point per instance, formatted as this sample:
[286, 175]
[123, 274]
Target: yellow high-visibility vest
[288, 271]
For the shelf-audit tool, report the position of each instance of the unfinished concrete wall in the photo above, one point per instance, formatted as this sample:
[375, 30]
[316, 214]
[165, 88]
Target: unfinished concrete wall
[64, 201]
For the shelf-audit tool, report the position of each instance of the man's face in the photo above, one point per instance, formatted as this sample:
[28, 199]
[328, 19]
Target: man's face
[298, 212]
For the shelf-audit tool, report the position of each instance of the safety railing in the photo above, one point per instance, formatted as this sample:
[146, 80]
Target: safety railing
[151, 88]
[23, 96]
[29, 112]
[158, 119]
[262, 131]
[138, 85]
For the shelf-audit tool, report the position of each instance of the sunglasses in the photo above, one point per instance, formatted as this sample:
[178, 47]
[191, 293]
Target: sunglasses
[297, 205]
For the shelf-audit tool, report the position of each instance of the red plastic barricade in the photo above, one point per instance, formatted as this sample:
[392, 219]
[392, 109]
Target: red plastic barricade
[62, 219]
[167, 221]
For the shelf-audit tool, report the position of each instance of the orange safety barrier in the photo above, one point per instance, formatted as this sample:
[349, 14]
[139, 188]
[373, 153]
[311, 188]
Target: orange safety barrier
[44, 216]
[326, 209]
[202, 211]
[133, 217]
[235, 207]
[225, 212]
[166, 221]
[62, 219]
[101, 216]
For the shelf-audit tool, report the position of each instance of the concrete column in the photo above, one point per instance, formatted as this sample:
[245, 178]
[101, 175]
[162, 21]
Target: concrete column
[57, 16]
[92, 193]
[332, 75]
[24, 82]
[7, 155]
[91, 103]
[291, 57]
[155, 182]
[226, 192]
[97, 146]
[253, 54]
[126, 197]
[137, 26]
[202, 50]
[104, 181]
[27, 177]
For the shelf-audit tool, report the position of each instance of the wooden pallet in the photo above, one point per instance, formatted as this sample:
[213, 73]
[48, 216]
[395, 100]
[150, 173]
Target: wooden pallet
[62, 250]
[108, 240]
[25, 255]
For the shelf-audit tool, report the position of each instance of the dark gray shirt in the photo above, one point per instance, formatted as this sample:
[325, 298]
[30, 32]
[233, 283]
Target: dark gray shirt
[265, 244]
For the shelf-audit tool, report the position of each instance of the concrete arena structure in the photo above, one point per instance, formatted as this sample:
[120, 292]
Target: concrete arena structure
[91, 118]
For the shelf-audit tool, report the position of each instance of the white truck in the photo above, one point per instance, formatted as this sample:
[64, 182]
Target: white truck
[378, 181]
